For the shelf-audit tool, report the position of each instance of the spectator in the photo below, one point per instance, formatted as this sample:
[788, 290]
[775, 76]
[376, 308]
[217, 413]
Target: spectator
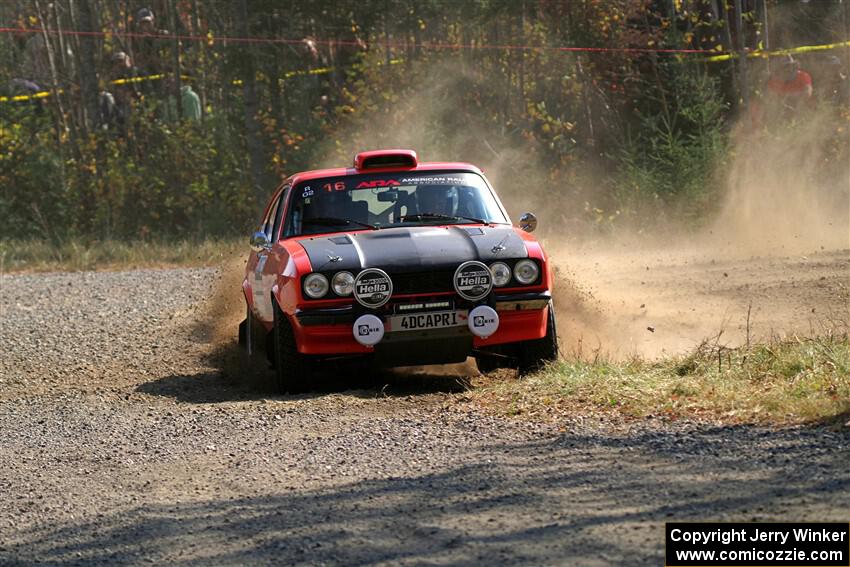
[116, 105]
[790, 84]
[190, 105]
[125, 74]
[25, 88]
[147, 45]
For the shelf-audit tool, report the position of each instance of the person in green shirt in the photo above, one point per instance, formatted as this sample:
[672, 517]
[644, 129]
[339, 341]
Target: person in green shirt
[190, 106]
[190, 103]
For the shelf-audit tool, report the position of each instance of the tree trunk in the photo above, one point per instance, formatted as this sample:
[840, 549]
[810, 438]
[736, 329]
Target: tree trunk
[742, 56]
[256, 152]
[88, 73]
[202, 60]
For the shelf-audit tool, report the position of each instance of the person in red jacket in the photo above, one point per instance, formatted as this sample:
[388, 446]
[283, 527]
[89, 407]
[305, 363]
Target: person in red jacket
[790, 84]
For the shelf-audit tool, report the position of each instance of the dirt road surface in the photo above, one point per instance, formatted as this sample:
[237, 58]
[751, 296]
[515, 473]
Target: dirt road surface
[121, 442]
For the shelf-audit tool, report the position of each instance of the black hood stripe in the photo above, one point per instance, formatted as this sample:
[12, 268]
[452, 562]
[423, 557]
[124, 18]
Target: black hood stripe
[414, 249]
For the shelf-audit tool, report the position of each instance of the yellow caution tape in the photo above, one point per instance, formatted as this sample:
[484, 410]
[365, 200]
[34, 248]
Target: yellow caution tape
[22, 98]
[158, 77]
[138, 79]
[780, 52]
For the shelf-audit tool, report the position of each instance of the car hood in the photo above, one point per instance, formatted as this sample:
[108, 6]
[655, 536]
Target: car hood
[412, 249]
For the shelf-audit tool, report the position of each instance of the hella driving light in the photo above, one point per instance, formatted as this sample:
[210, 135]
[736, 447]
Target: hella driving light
[501, 274]
[526, 272]
[315, 285]
[343, 283]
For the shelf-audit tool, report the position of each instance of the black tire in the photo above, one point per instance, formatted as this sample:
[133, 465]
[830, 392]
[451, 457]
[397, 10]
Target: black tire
[244, 330]
[533, 355]
[293, 370]
[487, 364]
[243, 334]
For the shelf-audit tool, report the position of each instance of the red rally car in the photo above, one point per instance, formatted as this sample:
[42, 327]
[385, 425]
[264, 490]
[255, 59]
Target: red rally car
[397, 263]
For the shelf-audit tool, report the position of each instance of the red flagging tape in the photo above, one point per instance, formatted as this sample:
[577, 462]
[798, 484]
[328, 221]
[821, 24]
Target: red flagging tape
[343, 42]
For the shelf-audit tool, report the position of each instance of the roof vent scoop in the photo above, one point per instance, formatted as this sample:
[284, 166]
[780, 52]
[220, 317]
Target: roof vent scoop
[386, 159]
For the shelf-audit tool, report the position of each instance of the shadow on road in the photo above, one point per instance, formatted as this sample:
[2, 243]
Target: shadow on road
[215, 386]
[574, 499]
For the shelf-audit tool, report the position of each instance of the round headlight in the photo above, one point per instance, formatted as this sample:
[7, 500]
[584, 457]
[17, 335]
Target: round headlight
[526, 272]
[501, 274]
[315, 285]
[343, 283]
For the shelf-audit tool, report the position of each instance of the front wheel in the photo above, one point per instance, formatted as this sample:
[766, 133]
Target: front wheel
[499, 357]
[536, 353]
[293, 370]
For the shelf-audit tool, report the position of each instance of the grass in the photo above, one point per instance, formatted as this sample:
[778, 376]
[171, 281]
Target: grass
[790, 381]
[76, 255]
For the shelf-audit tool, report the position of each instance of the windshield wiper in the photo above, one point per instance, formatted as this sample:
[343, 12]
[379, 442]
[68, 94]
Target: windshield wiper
[337, 221]
[438, 216]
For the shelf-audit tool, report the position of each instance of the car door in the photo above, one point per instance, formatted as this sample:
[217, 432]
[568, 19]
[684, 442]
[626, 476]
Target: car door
[269, 260]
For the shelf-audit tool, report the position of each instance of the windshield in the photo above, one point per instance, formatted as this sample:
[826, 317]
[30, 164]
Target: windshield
[376, 201]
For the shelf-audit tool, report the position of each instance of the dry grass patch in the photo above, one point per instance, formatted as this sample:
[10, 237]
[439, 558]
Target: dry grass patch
[798, 380]
[77, 255]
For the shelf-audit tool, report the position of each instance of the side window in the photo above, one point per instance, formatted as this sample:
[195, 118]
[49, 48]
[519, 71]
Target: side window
[269, 221]
[281, 205]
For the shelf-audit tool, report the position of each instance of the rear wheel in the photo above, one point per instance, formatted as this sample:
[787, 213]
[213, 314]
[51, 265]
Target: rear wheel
[293, 370]
[534, 354]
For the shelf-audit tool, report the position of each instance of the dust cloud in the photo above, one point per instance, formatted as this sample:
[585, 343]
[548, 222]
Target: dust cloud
[218, 324]
[773, 260]
[777, 201]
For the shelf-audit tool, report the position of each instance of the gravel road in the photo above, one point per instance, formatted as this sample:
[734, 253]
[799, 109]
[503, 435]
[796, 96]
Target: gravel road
[121, 443]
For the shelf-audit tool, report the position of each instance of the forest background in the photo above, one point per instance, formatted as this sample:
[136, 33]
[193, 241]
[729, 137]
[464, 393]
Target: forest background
[603, 113]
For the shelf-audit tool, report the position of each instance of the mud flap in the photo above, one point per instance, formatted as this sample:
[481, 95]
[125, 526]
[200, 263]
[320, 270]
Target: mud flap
[414, 348]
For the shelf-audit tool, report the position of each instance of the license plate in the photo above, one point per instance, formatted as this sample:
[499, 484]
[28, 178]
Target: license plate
[424, 321]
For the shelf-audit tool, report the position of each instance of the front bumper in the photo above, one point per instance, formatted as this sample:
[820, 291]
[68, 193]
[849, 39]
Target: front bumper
[328, 331]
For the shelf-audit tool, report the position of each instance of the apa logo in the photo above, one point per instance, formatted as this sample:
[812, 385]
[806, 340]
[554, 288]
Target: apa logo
[377, 183]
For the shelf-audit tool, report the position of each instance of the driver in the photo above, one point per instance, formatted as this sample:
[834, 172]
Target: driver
[437, 199]
[336, 204]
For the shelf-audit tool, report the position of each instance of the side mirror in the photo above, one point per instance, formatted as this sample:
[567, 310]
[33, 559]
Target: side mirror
[528, 222]
[259, 241]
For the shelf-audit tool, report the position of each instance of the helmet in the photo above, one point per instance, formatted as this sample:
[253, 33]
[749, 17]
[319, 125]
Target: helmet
[789, 62]
[438, 199]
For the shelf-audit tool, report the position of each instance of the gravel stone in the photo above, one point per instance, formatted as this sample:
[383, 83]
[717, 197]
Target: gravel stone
[121, 443]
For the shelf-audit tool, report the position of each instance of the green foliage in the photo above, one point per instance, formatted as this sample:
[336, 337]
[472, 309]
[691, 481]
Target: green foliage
[614, 134]
[673, 160]
[165, 180]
